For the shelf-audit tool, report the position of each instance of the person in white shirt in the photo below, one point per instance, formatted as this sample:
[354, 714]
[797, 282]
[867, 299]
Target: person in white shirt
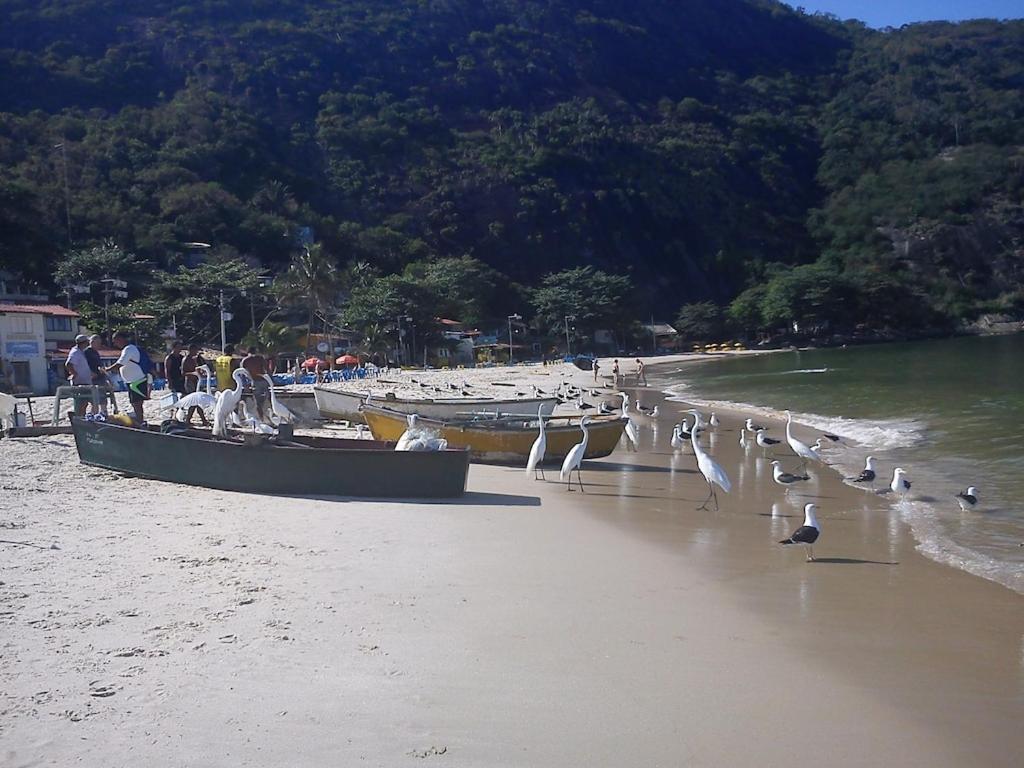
[78, 370]
[128, 366]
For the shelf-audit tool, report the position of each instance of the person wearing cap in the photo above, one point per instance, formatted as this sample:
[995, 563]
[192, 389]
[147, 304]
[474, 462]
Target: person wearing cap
[99, 376]
[78, 371]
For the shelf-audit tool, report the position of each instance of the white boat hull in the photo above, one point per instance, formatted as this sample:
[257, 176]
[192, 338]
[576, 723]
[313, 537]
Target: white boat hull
[342, 404]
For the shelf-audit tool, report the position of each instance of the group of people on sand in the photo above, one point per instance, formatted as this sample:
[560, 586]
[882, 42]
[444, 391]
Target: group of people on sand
[641, 372]
[182, 369]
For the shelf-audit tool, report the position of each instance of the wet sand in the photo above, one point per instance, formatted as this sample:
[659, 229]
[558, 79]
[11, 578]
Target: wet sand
[523, 625]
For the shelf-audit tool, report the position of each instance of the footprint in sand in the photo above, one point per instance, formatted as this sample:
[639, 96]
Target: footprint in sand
[101, 690]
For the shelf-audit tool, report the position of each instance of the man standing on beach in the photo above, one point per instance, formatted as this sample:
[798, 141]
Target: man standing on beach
[190, 376]
[99, 376]
[129, 365]
[615, 371]
[225, 365]
[641, 374]
[77, 368]
[596, 366]
[255, 365]
[173, 371]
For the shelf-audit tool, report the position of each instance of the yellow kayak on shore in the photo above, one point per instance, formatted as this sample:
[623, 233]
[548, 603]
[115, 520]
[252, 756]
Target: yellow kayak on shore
[505, 440]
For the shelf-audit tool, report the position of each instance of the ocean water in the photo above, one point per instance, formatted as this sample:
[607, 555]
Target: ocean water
[950, 412]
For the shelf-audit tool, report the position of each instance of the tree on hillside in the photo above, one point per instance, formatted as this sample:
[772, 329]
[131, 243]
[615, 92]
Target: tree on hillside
[390, 302]
[596, 299]
[312, 282]
[467, 289]
[700, 321]
[190, 297]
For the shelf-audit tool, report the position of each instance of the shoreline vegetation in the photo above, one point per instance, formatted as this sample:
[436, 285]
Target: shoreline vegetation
[754, 167]
[401, 628]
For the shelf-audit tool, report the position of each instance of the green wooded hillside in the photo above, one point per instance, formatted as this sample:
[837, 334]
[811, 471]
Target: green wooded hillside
[807, 169]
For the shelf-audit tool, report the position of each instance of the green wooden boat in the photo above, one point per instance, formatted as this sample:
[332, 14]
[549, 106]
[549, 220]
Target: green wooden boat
[299, 466]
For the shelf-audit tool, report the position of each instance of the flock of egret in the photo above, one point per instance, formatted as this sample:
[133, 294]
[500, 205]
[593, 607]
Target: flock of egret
[715, 475]
[225, 405]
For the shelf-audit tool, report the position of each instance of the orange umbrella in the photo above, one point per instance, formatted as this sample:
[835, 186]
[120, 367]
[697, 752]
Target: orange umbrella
[347, 360]
[312, 362]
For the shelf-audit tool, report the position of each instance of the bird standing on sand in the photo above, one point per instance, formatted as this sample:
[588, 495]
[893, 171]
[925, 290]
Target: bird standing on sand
[786, 479]
[574, 459]
[899, 483]
[754, 427]
[711, 469]
[677, 438]
[204, 401]
[764, 441]
[538, 448]
[967, 499]
[801, 449]
[807, 533]
[713, 421]
[867, 475]
[631, 433]
[743, 437]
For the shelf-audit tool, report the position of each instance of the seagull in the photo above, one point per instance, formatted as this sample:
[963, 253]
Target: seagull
[713, 421]
[581, 405]
[967, 499]
[807, 533]
[574, 459]
[712, 471]
[786, 479]
[802, 450]
[899, 483]
[743, 437]
[604, 409]
[754, 427]
[764, 441]
[867, 475]
[538, 448]
[677, 438]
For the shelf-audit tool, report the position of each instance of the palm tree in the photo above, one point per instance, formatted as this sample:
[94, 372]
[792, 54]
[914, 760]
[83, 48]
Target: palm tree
[374, 341]
[312, 281]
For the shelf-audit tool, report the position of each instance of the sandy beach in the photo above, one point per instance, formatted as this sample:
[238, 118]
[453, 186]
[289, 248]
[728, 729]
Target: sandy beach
[522, 625]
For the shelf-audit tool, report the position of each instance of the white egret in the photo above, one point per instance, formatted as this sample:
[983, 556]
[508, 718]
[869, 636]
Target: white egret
[967, 499]
[205, 401]
[279, 409]
[574, 459]
[253, 422]
[538, 448]
[807, 533]
[802, 450]
[631, 433]
[899, 483]
[711, 469]
[227, 401]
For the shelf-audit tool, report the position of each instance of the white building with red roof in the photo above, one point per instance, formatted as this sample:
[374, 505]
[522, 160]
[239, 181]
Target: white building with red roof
[27, 333]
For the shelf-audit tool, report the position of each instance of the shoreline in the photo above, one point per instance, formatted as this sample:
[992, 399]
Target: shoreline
[522, 625]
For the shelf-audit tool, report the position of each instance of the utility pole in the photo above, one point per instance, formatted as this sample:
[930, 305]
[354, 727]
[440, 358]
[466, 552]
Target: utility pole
[223, 330]
[67, 189]
[511, 317]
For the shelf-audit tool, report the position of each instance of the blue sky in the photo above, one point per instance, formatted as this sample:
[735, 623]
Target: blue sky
[894, 13]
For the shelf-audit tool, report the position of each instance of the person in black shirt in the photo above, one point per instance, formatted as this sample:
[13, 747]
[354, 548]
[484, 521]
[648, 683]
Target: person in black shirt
[172, 370]
[99, 375]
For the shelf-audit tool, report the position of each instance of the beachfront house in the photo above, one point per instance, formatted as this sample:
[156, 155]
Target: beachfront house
[23, 346]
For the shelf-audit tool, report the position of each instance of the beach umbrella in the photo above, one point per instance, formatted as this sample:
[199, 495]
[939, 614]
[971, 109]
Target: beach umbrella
[347, 360]
[312, 362]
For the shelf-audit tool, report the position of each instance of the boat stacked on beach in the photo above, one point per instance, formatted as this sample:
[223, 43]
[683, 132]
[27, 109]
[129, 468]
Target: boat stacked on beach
[342, 404]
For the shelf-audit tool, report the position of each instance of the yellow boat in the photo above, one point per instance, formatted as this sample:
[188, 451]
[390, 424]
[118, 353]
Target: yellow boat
[505, 440]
